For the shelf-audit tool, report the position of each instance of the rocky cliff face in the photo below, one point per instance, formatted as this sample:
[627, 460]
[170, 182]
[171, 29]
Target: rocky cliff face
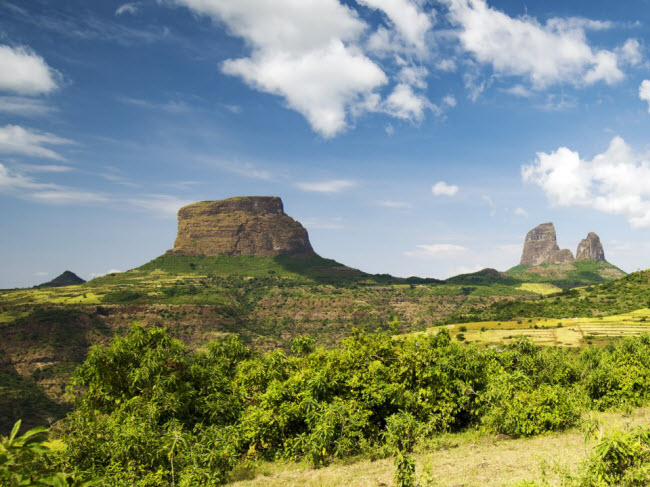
[540, 247]
[590, 248]
[253, 225]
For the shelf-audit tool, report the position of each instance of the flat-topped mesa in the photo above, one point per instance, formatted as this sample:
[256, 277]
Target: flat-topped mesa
[540, 247]
[590, 248]
[247, 225]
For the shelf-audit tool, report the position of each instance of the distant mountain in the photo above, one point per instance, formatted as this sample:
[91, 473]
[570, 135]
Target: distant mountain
[483, 278]
[543, 261]
[68, 278]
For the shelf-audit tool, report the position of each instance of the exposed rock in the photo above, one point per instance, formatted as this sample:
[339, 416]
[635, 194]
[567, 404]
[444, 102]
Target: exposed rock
[590, 248]
[563, 256]
[255, 225]
[66, 279]
[539, 245]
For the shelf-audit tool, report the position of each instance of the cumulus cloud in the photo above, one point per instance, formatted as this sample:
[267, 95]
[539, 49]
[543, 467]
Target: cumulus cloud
[15, 139]
[331, 186]
[521, 212]
[409, 20]
[436, 251]
[317, 56]
[443, 189]
[306, 52]
[547, 54]
[24, 72]
[644, 92]
[404, 103]
[614, 182]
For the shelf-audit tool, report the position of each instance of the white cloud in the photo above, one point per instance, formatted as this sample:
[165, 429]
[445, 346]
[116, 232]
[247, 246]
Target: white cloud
[409, 21]
[245, 169]
[436, 251]
[11, 181]
[405, 104]
[15, 139]
[164, 205]
[24, 72]
[555, 52]
[389, 129]
[490, 203]
[19, 105]
[127, 8]
[519, 91]
[521, 212]
[614, 182]
[41, 273]
[323, 224]
[306, 52]
[45, 168]
[65, 196]
[449, 101]
[332, 186]
[644, 92]
[443, 189]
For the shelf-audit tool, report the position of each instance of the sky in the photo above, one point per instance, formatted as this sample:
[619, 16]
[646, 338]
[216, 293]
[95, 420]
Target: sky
[410, 137]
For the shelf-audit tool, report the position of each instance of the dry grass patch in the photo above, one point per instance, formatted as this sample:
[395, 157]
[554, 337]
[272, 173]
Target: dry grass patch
[465, 459]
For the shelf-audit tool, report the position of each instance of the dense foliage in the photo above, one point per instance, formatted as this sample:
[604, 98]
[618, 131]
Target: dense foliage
[622, 296]
[150, 412]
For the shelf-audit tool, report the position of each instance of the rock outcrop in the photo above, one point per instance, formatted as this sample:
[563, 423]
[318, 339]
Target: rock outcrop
[590, 248]
[68, 278]
[540, 247]
[255, 225]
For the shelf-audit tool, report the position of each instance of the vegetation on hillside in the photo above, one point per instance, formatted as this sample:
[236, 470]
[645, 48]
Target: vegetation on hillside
[567, 275]
[150, 412]
[616, 297]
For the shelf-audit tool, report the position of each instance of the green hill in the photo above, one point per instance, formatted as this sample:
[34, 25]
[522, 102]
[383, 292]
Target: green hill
[484, 277]
[568, 275]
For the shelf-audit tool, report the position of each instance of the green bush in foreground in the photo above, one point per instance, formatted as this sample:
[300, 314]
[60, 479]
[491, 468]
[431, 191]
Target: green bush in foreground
[150, 412]
[25, 461]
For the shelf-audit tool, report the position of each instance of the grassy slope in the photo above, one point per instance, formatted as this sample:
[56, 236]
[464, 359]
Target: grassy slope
[630, 293]
[579, 273]
[467, 459]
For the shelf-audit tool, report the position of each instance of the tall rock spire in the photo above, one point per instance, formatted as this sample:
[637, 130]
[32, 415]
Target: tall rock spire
[590, 248]
[540, 247]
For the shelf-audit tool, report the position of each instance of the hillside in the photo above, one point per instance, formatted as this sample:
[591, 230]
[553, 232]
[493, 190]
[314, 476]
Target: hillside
[68, 278]
[568, 274]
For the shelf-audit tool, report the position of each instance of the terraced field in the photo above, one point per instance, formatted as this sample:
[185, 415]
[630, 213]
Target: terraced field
[567, 332]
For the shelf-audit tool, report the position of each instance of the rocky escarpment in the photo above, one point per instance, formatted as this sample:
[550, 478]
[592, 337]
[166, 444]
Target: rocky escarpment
[253, 225]
[540, 247]
[590, 248]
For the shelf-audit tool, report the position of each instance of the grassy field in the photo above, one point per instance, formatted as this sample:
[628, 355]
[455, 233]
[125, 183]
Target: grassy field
[567, 332]
[467, 459]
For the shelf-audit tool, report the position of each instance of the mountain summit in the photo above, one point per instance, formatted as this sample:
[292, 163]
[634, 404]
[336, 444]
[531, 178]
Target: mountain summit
[68, 278]
[247, 225]
[590, 248]
[540, 247]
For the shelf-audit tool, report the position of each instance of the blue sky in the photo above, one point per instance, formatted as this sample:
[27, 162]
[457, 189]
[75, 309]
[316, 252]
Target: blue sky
[410, 137]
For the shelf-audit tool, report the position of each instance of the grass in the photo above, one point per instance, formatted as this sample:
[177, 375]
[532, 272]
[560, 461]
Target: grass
[468, 459]
[567, 332]
[543, 288]
[578, 273]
